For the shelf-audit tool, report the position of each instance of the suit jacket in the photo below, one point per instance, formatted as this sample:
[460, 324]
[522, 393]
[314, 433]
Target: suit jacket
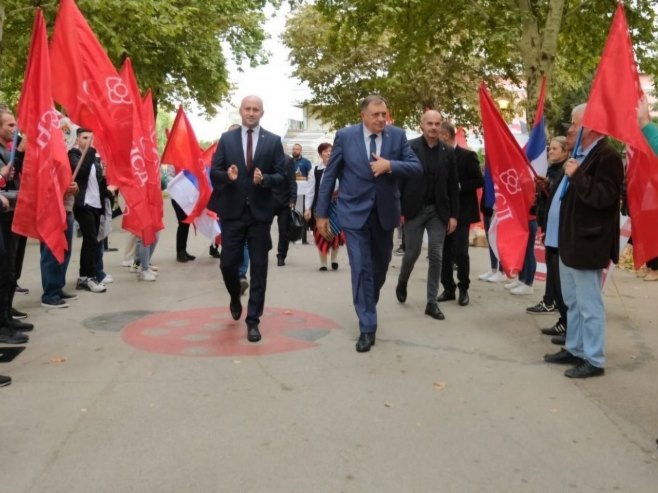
[470, 179]
[286, 194]
[235, 196]
[360, 191]
[442, 181]
[589, 212]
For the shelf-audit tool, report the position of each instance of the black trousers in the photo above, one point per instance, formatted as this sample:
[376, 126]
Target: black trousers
[89, 219]
[553, 279]
[282, 220]
[257, 235]
[7, 267]
[183, 230]
[455, 251]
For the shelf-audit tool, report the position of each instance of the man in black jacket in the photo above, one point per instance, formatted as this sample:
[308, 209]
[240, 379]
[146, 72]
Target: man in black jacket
[455, 247]
[430, 202]
[88, 208]
[285, 198]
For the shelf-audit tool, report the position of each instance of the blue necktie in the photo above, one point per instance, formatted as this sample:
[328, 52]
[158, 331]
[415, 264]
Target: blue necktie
[373, 146]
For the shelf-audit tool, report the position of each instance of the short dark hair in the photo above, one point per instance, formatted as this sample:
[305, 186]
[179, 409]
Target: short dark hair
[81, 130]
[323, 146]
[448, 127]
[372, 98]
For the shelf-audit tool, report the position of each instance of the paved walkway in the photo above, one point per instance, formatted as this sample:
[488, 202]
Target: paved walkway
[461, 405]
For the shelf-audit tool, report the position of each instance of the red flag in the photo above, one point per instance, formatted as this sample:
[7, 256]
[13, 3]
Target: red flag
[611, 110]
[513, 184]
[46, 173]
[138, 216]
[460, 138]
[184, 153]
[207, 154]
[152, 161]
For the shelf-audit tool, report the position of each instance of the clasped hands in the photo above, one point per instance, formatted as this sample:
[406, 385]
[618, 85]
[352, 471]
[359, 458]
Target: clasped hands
[379, 165]
[233, 174]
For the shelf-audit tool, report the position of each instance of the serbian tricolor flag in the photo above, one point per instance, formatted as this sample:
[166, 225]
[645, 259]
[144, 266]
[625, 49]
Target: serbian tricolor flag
[184, 153]
[535, 148]
[46, 172]
[514, 186]
[611, 110]
[138, 216]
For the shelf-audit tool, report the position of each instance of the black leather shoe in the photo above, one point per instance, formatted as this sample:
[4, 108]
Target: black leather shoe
[401, 291]
[181, 257]
[559, 340]
[433, 310]
[17, 315]
[463, 297]
[365, 342]
[584, 370]
[189, 257]
[334, 265]
[4, 380]
[20, 326]
[236, 310]
[447, 296]
[253, 334]
[213, 251]
[280, 261]
[563, 357]
[10, 336]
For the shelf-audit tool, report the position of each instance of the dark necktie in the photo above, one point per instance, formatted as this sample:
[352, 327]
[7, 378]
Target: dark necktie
[250, 148]
[373, 146]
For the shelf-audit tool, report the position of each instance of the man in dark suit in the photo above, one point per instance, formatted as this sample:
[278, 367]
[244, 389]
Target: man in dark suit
[368, 158]
[455, 248]
[429, 203]
[248, 164]
[285, 198]
[583, 223]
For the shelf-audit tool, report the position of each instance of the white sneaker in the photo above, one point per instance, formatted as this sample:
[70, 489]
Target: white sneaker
[108, 279]
[486, 275]
[146, 275]
[154, 268]
[126, 263]
[497, 277]
[152, 272]
[94, 286]
[522, 289]
[513, 284]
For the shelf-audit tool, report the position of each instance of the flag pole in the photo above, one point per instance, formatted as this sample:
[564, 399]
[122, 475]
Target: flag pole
[82, 158]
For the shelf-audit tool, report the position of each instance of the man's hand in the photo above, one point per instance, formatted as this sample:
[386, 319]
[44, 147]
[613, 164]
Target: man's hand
[643, 116]
[258, 176]
[72, 189]
[21, 145]
[4, 201]
[452, 225]
[112, 188]
[7, 172]
[322, 223]
[570, 167]
[307, 215]
[291, 205]
[232, 172]
[380, 165]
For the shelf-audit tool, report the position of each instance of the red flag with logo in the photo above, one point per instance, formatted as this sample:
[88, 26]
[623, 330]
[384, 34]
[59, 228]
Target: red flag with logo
[611, 110]
[46, 172]
[513, 184]
[184, 153]
[152, 157]
[138, 217]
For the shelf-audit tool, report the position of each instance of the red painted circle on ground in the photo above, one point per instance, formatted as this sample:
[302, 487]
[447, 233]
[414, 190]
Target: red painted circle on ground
[212, 332]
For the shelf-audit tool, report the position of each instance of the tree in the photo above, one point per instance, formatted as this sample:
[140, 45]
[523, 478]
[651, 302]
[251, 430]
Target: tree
[176, 46]
[422, 53]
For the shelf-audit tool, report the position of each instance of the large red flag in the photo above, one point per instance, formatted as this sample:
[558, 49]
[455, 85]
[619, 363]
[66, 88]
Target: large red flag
[139, 217]
[513, 184]
[152, 157]
[184, 153]
[611, 110]
[208, 153]
[46, 173]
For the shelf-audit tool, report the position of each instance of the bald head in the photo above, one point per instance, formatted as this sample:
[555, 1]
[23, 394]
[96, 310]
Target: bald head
[251, 111]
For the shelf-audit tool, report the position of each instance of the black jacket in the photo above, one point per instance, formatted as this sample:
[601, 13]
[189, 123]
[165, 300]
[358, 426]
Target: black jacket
[286, 194]
[470, 179]
[82, 178]
[443, 183]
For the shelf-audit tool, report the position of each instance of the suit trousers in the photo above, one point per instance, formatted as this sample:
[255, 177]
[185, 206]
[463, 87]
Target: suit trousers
[7, 267]
[282, 220]
[89, 220]
[369, 250]
[414, 230]
[183, 230]
[585, 313]
[259, 242]
[455, 251]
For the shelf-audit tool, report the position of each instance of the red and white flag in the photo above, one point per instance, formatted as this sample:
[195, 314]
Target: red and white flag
[513, 185]
[46, 172]
[611, 110]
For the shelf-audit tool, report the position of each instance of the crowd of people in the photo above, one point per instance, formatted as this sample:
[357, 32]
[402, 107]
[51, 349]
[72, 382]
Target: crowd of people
[366, 181]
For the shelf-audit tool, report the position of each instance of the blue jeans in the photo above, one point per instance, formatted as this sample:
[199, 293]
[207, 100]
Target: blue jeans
[527, 274]
[245, 262]
[100, 273]
[53, 274]
[494, 262]
[144, 253]
[581, 290]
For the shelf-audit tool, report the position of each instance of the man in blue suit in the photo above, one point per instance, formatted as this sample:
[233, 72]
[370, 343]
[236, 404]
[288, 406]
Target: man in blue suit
[367, 158]
[248, 164]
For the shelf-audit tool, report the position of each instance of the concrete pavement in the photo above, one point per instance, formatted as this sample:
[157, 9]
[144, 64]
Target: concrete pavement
[461, 405]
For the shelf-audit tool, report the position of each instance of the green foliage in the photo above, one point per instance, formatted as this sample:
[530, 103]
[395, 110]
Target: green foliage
[423, 53]
[177, 46]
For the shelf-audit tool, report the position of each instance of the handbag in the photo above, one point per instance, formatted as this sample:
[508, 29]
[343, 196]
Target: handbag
[295, 225]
